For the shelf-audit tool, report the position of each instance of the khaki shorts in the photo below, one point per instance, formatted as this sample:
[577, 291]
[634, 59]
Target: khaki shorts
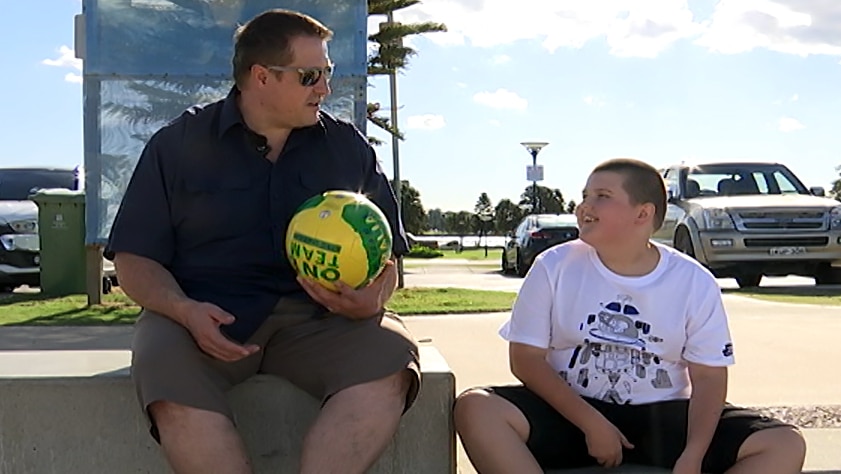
[320, 352]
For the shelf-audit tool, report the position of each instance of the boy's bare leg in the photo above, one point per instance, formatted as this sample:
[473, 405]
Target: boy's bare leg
[494, 434]
[199, 441]
[355, 426]
[772, 451]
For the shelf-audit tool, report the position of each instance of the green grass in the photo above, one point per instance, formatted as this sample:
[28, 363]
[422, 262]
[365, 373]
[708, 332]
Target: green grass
[449, 300]
[38, 310]
[819, 295]
[467, 254]
[116, 308]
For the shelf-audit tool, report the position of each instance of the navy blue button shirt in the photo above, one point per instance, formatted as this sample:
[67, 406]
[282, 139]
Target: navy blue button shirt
[205, 203]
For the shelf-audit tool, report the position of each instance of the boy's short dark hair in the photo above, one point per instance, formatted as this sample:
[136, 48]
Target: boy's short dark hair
[265, 39]
[642, 182]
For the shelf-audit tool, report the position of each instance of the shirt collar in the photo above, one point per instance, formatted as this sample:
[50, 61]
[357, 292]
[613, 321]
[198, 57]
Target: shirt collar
[232, 116]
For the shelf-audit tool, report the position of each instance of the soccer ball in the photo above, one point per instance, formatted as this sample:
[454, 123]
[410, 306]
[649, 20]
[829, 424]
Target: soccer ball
[339, 236]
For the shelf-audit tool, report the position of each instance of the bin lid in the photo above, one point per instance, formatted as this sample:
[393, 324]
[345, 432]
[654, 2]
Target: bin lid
[58, 196]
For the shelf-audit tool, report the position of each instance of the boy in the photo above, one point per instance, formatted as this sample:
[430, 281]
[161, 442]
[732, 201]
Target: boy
[622, 347]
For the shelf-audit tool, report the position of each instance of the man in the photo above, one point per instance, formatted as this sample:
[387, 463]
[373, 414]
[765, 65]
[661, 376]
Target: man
[198, 243]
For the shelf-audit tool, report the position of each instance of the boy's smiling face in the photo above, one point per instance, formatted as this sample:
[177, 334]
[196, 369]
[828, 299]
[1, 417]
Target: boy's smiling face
[606, 214]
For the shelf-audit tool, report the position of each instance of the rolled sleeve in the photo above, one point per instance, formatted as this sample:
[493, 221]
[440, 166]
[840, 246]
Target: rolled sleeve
[143, 225]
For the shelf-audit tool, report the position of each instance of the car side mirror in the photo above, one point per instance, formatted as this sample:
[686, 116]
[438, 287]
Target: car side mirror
[672, 193]
[817, 191]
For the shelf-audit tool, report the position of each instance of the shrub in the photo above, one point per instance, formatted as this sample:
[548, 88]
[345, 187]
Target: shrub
[419, 251]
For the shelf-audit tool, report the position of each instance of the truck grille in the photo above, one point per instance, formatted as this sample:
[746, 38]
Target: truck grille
[788, 242]
[781, 220]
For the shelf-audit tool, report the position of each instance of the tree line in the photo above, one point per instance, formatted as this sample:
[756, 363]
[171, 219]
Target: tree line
[486, 217]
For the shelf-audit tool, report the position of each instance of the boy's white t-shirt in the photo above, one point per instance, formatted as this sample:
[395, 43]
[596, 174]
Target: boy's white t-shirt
[616, 338]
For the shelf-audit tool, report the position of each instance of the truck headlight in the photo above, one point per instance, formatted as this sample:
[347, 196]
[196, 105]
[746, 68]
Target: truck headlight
[717, 219]
[835, 218]
[26, 226]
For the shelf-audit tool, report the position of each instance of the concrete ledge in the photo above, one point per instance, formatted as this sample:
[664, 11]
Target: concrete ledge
[76, 412]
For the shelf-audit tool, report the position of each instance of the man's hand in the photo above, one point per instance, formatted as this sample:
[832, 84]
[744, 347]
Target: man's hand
[605, 442]
[203, 321]
[688, 463]
[352, 303]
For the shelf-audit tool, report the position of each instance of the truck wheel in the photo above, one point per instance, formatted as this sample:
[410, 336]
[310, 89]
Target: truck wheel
[505, 268]
[522, 268]
[748, 280]
[683, 242]
[827, 275]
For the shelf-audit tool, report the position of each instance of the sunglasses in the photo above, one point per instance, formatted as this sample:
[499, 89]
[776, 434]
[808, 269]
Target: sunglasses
[307, 76]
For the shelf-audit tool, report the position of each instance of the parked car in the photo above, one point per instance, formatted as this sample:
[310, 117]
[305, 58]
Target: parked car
[19, 244]
[534, 234]
[746, 220]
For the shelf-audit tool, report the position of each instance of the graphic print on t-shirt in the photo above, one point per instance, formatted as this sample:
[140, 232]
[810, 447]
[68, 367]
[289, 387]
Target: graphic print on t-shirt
[613, 358]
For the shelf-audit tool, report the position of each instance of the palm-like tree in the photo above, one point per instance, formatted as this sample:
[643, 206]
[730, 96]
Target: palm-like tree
[391, 55]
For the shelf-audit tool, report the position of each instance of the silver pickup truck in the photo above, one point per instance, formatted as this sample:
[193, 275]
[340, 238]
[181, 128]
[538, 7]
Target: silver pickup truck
[746, 220]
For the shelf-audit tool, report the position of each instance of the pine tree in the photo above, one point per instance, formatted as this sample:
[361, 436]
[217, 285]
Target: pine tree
[391, 55]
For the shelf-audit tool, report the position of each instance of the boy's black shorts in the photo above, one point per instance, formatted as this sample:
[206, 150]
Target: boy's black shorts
[657, 431]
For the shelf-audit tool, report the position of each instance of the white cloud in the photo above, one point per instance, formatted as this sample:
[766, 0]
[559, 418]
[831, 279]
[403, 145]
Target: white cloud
[426, 122]
[641, 28]
[501, 59]
[801, 27]
[593, 101]
[788, 124]
[66, 58]
[73, 77]
[501, 99]
[461, 85]
[494, 123]
[795, 98]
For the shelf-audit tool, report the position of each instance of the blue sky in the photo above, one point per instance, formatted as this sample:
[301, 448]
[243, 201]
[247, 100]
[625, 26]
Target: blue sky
[660, 80]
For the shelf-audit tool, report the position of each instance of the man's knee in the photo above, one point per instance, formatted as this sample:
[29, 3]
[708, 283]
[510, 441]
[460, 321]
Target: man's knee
[169, 416]
[391, 388]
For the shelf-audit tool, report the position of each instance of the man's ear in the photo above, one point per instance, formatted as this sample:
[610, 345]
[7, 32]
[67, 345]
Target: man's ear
[260, 74]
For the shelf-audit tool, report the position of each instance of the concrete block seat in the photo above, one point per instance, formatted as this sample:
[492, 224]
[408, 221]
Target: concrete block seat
[75, 412]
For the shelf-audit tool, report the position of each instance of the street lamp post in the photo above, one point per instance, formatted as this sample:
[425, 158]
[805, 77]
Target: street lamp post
[395, 147]
[485, 217]
[534, 148]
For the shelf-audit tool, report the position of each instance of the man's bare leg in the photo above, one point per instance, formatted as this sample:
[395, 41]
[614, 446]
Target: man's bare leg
[494, 434]
[199, 441]
[355, 426]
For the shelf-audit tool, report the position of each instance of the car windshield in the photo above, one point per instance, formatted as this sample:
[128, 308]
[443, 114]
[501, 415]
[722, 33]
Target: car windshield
[563, 220]
[742, 179]
[19, 184]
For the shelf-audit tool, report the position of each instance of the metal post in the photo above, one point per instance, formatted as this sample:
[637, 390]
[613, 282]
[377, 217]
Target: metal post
[534, 182]
[395, 153]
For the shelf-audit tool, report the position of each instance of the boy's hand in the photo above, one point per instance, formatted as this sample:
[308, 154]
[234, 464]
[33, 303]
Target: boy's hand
[605, 443]
[688, 463]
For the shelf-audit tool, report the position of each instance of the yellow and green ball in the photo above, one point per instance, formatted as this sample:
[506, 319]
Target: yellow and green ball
[339, 236]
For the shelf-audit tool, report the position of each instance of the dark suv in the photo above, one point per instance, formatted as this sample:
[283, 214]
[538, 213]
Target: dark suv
[534, 234]
[19, 244]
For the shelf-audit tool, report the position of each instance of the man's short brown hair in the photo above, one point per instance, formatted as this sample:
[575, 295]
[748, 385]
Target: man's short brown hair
[642, 182]
[265, 39]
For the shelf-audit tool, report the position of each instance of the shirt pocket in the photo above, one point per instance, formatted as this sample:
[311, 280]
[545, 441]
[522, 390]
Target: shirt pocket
[221, 206]
[314, 182]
